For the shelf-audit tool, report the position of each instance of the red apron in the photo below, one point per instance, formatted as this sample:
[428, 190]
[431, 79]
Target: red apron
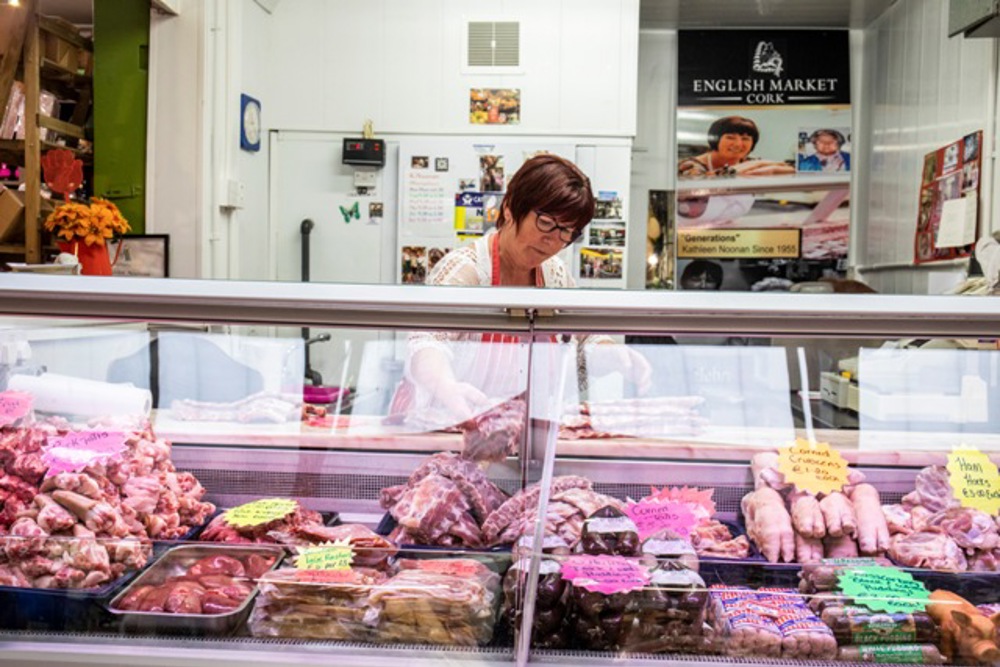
[496, 366]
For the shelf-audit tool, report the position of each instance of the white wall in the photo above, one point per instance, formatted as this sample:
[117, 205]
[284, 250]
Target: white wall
[335, 63]
[654, 152]
[329, 65]
[927, 91]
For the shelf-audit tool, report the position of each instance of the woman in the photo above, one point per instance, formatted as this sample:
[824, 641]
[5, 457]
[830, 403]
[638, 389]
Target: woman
[547, 205]
[730, 141]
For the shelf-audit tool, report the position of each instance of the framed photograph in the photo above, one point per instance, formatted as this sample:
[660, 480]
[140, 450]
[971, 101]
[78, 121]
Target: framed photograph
[145, 255]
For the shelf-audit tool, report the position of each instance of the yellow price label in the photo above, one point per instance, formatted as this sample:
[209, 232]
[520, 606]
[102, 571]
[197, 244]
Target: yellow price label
[330, 556]
[813, 466]
[260, 512]
[974, 480]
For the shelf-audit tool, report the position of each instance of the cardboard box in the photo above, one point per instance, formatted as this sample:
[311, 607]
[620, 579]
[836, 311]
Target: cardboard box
[61, 52]
[11, 213]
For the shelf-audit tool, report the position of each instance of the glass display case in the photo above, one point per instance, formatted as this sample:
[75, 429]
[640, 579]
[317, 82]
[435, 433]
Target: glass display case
[301, 473]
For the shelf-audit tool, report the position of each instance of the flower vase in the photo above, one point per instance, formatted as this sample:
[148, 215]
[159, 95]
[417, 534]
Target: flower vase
[94, 259]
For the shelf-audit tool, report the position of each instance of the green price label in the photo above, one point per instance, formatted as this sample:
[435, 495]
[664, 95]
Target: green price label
[260, 512]
[333, 557]
[884, 589]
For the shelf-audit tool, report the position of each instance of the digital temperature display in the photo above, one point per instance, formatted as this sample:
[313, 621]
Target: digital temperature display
[368, 152]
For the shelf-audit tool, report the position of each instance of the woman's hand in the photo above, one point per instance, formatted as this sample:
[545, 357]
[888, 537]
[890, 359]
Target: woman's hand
[611, 357]
[460, 399]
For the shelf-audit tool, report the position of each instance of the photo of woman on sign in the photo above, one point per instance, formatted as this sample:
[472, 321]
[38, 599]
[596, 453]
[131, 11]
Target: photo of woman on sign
[731, 139]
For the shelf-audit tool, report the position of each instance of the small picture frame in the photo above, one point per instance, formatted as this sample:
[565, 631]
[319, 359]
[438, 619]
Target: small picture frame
[440, 164]
[141, 255]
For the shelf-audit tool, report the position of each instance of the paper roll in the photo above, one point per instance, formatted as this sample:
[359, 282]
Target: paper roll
[65, 395]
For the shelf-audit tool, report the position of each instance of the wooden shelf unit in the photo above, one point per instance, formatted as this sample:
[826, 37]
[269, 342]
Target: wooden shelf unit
[39, 72]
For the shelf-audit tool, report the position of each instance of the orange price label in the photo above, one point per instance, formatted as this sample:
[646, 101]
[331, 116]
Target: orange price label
[813, 466]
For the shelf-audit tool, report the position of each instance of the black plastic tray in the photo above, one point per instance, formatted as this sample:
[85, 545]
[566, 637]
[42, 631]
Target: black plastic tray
[60, 609]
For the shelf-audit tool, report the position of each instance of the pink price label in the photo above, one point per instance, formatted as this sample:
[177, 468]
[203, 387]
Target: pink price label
[653, 516]
[605, 574]
[14, 405]
[75, 451]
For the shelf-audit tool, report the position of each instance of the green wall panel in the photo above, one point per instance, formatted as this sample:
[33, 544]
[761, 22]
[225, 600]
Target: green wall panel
[121, 76]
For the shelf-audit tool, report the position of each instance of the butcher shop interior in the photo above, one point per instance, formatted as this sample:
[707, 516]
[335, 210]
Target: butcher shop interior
[757, 423]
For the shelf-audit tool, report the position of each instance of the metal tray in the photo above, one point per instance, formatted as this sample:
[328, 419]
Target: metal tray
[190, 624]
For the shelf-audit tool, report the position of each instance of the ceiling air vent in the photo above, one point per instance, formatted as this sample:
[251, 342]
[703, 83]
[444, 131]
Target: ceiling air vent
[494, 44]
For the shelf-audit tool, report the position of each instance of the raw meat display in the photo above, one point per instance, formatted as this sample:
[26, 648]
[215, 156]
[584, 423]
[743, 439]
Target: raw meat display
[873, 531]
[789, 525]
[218, 583]
[446, 502]
[441, 601]
[571, 500]
[83, 529]
[667, 416]
[769, 525]
[272, 532]
[495, 434]
[370, 548]
[710, 537]
[259, 408]
[931, 529]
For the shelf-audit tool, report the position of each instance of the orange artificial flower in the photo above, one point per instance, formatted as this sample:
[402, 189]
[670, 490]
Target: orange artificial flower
[91, 223]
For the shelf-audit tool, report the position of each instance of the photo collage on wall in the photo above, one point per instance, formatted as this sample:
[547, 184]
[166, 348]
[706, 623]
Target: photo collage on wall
[426, 185]
[752, 133]
[604, 241]
[477, 201]
[948, 213]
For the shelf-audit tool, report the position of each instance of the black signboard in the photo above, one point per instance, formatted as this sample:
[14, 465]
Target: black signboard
[763, 67]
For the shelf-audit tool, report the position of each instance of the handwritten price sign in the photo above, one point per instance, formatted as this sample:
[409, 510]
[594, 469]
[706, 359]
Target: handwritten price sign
[974, 480]
[260, 512]
[14, 405]
[651, 517]
[813, 466]
[605, 574]
[884, 589]
[331, 556]
[75, 451]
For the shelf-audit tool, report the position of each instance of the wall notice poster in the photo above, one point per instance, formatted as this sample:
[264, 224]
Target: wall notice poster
[764, 153]
[760, 241]
[948, 213]
[757, 103]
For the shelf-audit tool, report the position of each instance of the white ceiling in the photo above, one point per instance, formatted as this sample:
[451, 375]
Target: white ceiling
[667, 14]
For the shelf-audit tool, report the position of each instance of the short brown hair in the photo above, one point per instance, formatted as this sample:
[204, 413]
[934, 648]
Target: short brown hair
[552, 185]
[732, 125]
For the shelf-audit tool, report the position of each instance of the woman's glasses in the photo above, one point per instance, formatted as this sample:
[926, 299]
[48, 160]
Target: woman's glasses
[548, 224]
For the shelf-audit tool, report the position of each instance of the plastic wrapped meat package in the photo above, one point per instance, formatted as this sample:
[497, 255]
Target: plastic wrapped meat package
[671, 613]
[435, 601]
[316, 604]
[768, 622]
[550, 628]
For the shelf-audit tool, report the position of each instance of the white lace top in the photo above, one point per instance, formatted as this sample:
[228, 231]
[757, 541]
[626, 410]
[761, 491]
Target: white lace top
[472, 265]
